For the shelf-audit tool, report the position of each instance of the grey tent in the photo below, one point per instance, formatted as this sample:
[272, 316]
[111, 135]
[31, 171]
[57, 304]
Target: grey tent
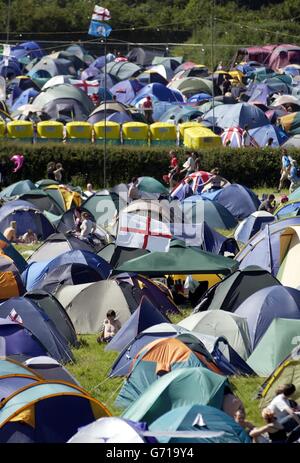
[55, 311]
[142, 57]
[88, 303]
[229, 293]
[50, 67]
[123, 70]
[50, 369]
[42, 201]
[117, 255]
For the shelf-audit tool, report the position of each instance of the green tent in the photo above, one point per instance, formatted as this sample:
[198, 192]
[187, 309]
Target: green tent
[151, 185]
[179, 260]
[192, 85]
[65, 91]
[185, 386]
[274, 346]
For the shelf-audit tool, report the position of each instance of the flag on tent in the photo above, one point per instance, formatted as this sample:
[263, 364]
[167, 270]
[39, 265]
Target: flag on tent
[101, 14]
[98, 29]
[136, 231]
[88, 86]
[15, 317]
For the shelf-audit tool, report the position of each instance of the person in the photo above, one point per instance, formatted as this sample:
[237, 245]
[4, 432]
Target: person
[3, 173]
[189, 165]
[89, 190]
[272, 428]
[148, 110]
[294, 176]
[284, 199]
[216, 181]
[269, 142]
[87, 226]
[285, 167]
[268, 205]
[246, 137]
[197, 162]
[240, 418]
[29, 237]
[50, 170]
[77, 219]
[133, 191]
[111, 326]
[226, 84]
[10, 233]
[174, 170]
[58, 172]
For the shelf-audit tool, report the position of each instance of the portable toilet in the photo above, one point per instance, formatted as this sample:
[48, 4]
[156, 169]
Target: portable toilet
[112, 130]
[2, 130]
[163, 133]
[201, 137]
[50, 131]
[20, 131]
[135, 133]
[79, 132]
[186, 125]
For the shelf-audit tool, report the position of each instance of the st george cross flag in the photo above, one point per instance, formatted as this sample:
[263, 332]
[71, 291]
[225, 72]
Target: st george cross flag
[88, 86]
[15, 317]
[136, 231]
[98, 29]
[101, 14]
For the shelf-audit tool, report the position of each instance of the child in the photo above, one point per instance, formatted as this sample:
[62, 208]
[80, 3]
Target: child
[111, 326]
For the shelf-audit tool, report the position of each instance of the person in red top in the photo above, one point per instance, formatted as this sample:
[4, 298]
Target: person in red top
[174, 169]
[148, 110]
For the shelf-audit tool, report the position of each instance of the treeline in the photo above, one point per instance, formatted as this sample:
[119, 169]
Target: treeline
[229, 23]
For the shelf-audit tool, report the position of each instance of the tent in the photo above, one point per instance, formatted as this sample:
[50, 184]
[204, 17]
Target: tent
[16, 189]
[262, 307]
[158, 92]
[117, 255]
[104, 206]
[192, 85]
[24, 98]
[87, 304]
[37, 272]
[232, 137]
[10, 281]
[184, 386]
[151, 185]
[220, 323]
[157, 359]
[27, 217]
[274, 346]
[288, 209]
[17, 341]
[295, 195]
[42, 201]
[151, 76]
[264, 247]
[237, 115]
[252, 225]
[195, 180]
[122, 70]
[236, 288]
[57, 244]
[142, 56]
[126, 90]
[213, 213]
[289, 257]
[261, 135]
[198, 424]
[237, 199]
[10, 251]
[49, 369]
[110, 430]
[40, 325]
[143, 317]
[172, 62]
[181, 113]
[286, 373]
[55, 311]
[291, 123]
[53, 413]
[179, 259]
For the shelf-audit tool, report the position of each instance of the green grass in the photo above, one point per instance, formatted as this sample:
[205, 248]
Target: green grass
[24, 248]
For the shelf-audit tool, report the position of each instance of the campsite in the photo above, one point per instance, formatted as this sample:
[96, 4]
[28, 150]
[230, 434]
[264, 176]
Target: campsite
[150, 225]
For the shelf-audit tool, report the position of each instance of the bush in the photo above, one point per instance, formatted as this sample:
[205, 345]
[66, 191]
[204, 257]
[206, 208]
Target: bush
[248, 166]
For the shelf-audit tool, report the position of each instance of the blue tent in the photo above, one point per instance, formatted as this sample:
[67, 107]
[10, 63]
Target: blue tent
[213, 213]
[253, 224]
[237, 115]
[237, 199]
[264, 248]
[126, 90]
[33, 48]
[150, 77]
[16, 340]
[143, 317]
[11, 69]
[57, 410]
[259, 93]
[17, 188]
[24, 98]
[37, 272]
[27, 217]
[158, 92]
[262, 307]
[181, 113]
[289, 209]
[186, 418]
[40, 325]
[199, 97]
[160, 107]
[262, 134]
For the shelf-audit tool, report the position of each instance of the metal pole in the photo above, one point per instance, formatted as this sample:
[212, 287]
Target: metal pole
[105, 87]
[212, 59]
[8, 22]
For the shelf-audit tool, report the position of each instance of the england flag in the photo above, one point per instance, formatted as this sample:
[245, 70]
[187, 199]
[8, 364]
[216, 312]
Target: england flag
[101, 14]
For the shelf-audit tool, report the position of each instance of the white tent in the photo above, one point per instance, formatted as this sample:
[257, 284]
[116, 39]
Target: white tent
[288, 273]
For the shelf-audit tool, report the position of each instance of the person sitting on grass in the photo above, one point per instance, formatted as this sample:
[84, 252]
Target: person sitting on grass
[10, 233]
[111, 326]
[273, 429]
[29, 237]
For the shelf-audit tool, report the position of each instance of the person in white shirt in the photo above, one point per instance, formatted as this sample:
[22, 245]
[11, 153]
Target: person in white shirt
[287, 410]
[89, 190]
[189, 165]
[133, 191]
[87, 226]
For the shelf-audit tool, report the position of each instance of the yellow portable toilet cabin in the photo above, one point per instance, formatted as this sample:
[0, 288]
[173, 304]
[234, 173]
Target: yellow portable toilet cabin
[163, 133]
[50, 131]
[135, 133]
[200, 137]
[186, 125]
[2, 129]
[112, 130]
[79, 132]
[20, 131]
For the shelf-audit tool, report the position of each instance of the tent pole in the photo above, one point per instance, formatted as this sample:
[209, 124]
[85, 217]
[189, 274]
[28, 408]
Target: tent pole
[8, 21]
[105, 86]
[212, 60]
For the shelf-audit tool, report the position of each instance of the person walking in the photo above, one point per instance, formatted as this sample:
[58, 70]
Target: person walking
[147, 107]
[294, 176]
[285, 168]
